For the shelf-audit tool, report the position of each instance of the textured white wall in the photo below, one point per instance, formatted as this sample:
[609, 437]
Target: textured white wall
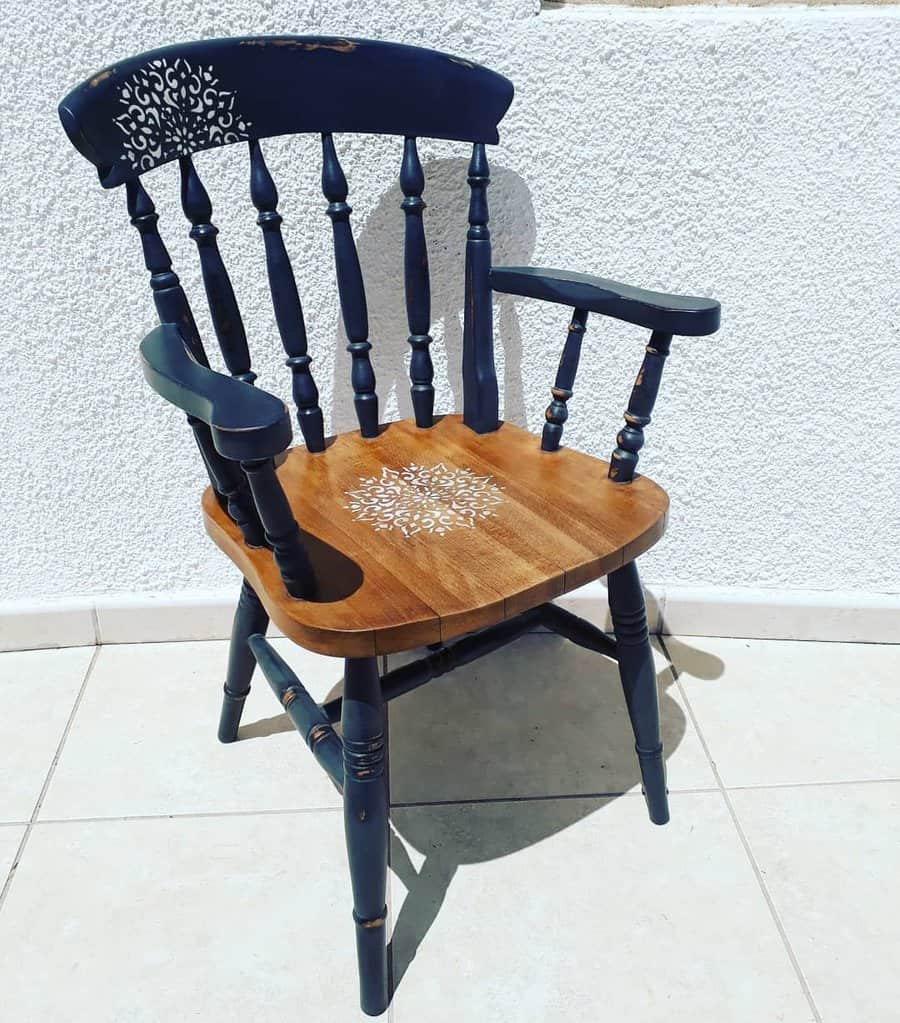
[750, 154]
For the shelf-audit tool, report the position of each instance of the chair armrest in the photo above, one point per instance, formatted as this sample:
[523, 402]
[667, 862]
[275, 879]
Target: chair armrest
[246, 423]
[671, 314]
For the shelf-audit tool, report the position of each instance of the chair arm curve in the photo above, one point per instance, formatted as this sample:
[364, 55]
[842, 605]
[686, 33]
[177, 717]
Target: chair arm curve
[246, 422]
[684, 315]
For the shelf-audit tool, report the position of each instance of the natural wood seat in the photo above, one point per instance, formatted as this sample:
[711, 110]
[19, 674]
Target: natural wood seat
[392, 575]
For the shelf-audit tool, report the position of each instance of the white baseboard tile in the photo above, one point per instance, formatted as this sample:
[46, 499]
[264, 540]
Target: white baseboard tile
[167, 617]
[671, 610]
[164, 617]
[781, 614]
[38, 625]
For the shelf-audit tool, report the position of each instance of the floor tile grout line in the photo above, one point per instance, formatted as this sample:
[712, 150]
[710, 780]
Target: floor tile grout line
[765, 787]
[17, 859]
[478, 801]
[776, 918]
[190, 815]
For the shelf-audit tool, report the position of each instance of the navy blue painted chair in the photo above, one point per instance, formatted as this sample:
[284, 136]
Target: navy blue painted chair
[452, 532]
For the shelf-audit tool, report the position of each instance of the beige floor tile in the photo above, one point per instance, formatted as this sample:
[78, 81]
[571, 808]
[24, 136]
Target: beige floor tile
[10, 837]
[540, 717]
[144, 739]
[202, 919]
[778, 711]
[580, 910]
[829, 856]
[38, 689]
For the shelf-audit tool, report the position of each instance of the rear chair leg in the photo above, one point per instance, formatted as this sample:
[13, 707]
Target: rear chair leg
[626, 605]
[250, 617]
[366, 824]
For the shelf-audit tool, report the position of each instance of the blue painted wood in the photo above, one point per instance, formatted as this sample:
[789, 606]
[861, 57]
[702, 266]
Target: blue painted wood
[350, 289]
[246, 422]
[417, 284]
[282, 531]
[223, 307]
[142, 112]
[305, 714]
[638, 674]
[481, 405]
[557, 411]
[230, 485]
[630, 439]
[286, 301]
[673, 314]
[250, 619]
[172, 307]
[366, 824]
[168, 295]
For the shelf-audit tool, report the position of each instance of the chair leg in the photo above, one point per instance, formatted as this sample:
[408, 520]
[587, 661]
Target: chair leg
[626, 605]
[366, 824]
[250, 617]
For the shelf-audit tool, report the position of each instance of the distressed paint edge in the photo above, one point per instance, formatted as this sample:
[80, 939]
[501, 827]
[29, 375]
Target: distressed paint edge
[737, 612]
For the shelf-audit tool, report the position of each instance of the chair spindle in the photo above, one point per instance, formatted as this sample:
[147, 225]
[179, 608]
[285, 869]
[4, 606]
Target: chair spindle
[286, 301]
[350, 289]
[480, 394]
[282, 532]
[168, 295]
[172, 307]
[557, 411]
[223, 307]
[418, 285]
[630, 439]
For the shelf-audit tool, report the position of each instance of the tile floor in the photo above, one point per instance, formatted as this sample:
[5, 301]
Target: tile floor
[155, 875]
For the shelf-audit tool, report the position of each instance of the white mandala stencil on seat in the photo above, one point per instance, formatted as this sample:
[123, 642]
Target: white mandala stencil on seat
[173, 109]
[424, 499]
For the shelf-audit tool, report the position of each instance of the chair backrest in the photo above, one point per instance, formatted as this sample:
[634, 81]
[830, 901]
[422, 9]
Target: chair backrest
[168, 104]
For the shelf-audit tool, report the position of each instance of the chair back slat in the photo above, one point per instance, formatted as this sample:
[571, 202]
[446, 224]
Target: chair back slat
[286, 301]
[142, 112]
[223, 307]
[417, 284]
[481, 403]
[351, 289]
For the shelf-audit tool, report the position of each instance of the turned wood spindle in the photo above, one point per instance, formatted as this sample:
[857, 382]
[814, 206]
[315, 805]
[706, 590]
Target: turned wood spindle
[282, 531]
[557, 411]
[223, 307]
[630, 439]
[418, 285]
[351, 290]
[286, 301]
[172, 307]
[481, 402]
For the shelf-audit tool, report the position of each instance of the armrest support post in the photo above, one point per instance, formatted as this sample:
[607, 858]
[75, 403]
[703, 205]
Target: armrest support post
[557, 411]
[643, 396]
[282, 531]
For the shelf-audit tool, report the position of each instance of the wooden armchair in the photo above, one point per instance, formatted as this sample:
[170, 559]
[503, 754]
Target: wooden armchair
[454, 532]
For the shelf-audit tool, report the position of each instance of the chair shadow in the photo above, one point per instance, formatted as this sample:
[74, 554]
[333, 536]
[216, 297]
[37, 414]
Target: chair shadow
[539, 734]
[380, 247]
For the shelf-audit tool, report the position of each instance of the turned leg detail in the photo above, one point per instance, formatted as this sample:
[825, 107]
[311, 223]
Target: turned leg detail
[626, 604]
[250, 617]
[366, 824]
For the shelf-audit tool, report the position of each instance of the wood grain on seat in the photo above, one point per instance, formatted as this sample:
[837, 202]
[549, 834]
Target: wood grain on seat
[516, 526]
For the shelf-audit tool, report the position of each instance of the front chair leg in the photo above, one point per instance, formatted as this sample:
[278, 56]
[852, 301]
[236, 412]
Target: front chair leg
[250, 617]
[366, 824]
[629, 617]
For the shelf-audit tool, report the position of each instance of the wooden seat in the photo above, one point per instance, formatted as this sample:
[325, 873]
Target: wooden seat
[442, 531]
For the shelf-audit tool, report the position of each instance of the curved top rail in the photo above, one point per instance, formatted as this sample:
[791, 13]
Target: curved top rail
[145, 111]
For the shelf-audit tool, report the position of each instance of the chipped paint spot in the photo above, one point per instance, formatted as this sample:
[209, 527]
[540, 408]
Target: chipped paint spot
[97, 79]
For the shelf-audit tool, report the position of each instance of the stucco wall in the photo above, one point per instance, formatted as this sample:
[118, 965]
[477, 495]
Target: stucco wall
[751, 154]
